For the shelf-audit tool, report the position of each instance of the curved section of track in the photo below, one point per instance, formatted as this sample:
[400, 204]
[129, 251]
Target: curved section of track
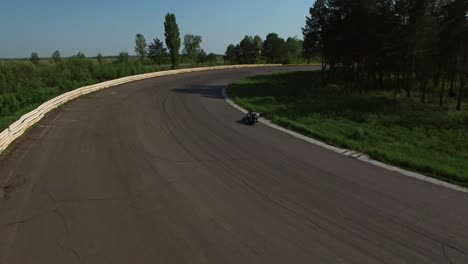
[159, 171]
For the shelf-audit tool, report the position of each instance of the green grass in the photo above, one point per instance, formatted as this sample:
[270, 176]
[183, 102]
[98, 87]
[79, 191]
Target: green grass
[10, 119]
[400, 131]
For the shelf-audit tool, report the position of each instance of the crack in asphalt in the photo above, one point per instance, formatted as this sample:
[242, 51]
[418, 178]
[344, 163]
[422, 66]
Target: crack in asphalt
[62, 217]
[27, 219]
[71, 250]
[444, 252]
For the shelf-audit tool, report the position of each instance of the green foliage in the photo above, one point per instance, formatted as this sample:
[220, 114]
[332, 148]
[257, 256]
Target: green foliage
[249, 50]
[202, 57]
[100, 58]
[141, 48]
[75, 72]
[314, 30]
[16, 76]
[274, 49]
[123, 57]
[256, 51]
[157, 51]
[79, 55]
[211, 59]
[23, 85]
[192, 47]
[34, 58]
[230, 55]
[401, 131]
[420, 43]
[56, 57]
[172, 35]
[294, 50]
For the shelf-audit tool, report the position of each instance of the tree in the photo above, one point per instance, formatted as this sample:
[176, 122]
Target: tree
[267, 47]
[314, 29]
[123, 57]
[230, 54]
[202, 57]
[239, 53]
[399, 45]
[192, 47]
[79, 55]
[56, 57]
[34, 58]
[211, 59]
[172, 38]
[257, 49]
[459, 27]
[274, 48]
[141, 48]
[99, 58]
[294, 49]
[157, 51]
[249, 50]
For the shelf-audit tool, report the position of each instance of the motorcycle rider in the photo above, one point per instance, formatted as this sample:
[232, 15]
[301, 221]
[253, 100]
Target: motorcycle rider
[252, 117]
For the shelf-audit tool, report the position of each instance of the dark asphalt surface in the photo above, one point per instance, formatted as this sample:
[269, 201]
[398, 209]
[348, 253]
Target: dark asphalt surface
[159, 171]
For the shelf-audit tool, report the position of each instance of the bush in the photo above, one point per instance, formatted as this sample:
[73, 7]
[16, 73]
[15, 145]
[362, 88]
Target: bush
[105, 72]
[8, 104]
[23, 84]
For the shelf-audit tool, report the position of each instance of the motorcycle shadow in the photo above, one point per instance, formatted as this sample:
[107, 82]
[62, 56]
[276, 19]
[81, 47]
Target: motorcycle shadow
[243, 123]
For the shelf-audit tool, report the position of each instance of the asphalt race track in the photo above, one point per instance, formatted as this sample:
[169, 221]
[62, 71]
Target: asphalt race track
[160, 171]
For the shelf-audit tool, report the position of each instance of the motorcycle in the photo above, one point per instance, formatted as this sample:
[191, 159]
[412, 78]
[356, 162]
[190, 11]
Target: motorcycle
[251, 118]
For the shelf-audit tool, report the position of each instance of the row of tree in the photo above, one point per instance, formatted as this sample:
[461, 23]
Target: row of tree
[404, 45]
[156, 51]
[159, 54]
[56, 57]
[27, 84]
[273, 49]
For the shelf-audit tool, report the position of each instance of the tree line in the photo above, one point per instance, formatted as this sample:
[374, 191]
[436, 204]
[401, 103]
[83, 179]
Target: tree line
[273, 49]
[408, 47]
[159, 54]
[155, 51]
[24, 84]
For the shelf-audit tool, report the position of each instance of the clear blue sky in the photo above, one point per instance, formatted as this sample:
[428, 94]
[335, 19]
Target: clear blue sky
[109, 26]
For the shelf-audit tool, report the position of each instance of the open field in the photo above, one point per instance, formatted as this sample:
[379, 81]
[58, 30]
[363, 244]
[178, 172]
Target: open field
[400, 131]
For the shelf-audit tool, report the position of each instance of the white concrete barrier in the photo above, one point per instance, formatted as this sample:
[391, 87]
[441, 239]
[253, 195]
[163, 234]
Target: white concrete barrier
[18, 128]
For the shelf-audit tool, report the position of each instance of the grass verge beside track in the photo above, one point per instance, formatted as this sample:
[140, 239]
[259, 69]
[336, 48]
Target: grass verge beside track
[399, 131]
